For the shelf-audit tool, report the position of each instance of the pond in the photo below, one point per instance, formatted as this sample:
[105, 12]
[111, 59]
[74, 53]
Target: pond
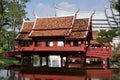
[75, 71]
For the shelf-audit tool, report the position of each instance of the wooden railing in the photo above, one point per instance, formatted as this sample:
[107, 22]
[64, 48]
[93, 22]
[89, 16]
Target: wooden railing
[99, 51]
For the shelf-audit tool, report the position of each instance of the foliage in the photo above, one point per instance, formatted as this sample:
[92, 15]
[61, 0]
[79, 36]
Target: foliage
[116, 4]
[6, 61]
[6, 40]
[106, 36]
[11, 14]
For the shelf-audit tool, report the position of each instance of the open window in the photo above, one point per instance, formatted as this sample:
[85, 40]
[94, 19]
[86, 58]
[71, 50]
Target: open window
[74, 43]
[49, 43]
[37, 43]
[60, 43]
[25, 43]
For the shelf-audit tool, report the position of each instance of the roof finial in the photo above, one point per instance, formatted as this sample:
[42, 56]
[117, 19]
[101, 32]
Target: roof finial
[35, 16]
[76, 12]
[24, 20]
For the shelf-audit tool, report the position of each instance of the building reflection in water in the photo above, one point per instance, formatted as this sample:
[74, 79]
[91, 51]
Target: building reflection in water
[45, 73]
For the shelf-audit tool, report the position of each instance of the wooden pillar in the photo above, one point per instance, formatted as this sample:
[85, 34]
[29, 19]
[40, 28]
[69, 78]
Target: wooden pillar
[85, 60]
[40, 60]
[55, 43]
[67, 44]
[47, 64]
[106, 63]
[66, 64]
[29, 60]
[43, 43]
[22, 60]
[61, 60]
[33, 44]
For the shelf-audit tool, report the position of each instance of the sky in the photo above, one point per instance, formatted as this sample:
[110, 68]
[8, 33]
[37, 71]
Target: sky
[46, 8]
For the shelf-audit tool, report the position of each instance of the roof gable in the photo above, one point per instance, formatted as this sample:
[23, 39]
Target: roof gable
[80, 24]
[80, 29]
[27, 26]
[25, 30]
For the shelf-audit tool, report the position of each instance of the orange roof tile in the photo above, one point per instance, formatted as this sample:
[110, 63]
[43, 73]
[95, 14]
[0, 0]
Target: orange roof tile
[80, 24]
[78, 35]
[49, 33]
[25, 30]
[57, 26]
[23, 36]
[53, 23]
[80, 29]
[27, 26]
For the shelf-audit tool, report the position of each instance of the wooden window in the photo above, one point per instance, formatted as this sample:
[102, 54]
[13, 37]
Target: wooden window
[60, 43]
[25, 43]
[74, 43]
[49, 43]
[37, 43]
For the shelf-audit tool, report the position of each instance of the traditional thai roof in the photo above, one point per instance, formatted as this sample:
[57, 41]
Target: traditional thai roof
[67, 27]
[25, 30]
[49, 27]
[80, 29]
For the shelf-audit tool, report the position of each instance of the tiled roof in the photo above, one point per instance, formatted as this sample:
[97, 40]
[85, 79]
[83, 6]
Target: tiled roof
[53, 23]
[80, 29]
[78, 35]
[57, 26]
[27, 26]
[80, 24]
[48, 33]
[25, 30]
[23, 36]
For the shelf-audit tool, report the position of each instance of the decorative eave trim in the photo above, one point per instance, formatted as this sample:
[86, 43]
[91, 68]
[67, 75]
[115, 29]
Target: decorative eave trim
[17, 36]
[70, 31]
[90, 20]
[30, 33]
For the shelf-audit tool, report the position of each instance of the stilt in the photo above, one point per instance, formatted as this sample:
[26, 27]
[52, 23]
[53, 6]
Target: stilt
[40, 60]
[22, 60]
[106, 63]
[84, 60]
[61, 60]
[29, 59]
[47, 64]
[66, 64]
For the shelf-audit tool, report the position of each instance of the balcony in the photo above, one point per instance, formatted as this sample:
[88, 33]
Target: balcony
[99, 51]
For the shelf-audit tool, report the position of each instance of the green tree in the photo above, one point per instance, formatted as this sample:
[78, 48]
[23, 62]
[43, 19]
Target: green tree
[16, 11]
[2, 13]
[12, 13]
[107, 36]
[116, 4]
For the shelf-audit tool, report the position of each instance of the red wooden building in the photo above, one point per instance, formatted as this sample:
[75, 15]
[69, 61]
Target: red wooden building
[64, 36]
